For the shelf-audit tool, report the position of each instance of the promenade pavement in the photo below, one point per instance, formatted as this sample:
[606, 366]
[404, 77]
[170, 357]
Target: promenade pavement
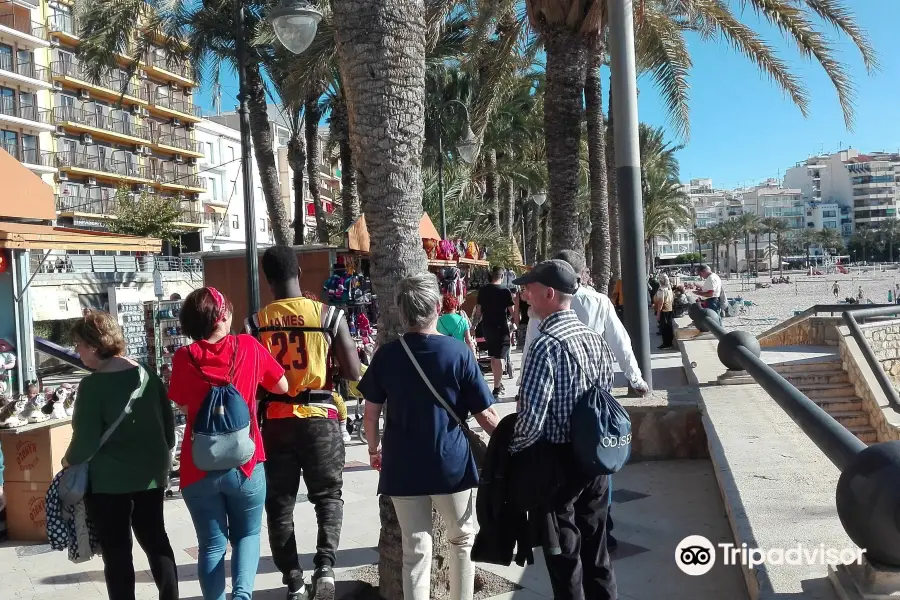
[656, 504]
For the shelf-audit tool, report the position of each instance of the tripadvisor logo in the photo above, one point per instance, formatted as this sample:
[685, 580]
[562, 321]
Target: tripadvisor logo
[696, 555]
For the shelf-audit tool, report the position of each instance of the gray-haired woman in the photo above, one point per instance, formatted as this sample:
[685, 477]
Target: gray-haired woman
[426, 460]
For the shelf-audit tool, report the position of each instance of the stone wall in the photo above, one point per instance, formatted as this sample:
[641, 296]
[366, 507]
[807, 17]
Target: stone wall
[874, 402]
[884, 338]
[803, 331]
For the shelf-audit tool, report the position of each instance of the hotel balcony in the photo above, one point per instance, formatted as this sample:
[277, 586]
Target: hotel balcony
[105, 168]
[180, 108]
[171, 179]
[170, 71]
[26, 116]
[177, 142]
[86, 205]
[30, 77]
[71, 72]
[16, 24]
[102, 126]
[63, 27]
[39, 162]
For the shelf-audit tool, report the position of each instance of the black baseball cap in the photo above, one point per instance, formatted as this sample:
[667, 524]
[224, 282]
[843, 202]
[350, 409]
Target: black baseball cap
[556, 274]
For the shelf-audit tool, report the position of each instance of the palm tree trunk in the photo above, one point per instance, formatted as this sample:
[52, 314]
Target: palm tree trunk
[490, 188]
[263, 148]
[615, 264]
[313, 158]
[770, 254]
[509, 211]
[599, 240]
[297, 159]
[349, 197]
[562, 130]
[545, 235]
[756, 252]
[778, 242]
[385, 93]
[533, 233]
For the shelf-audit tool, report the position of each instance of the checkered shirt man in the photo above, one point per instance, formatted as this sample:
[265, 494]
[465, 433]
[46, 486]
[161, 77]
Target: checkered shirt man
[552, 380]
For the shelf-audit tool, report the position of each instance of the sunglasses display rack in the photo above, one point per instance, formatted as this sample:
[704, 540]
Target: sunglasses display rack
[163, 331]
[131, 319]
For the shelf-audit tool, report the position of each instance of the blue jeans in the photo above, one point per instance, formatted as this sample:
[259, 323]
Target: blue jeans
[226, 505]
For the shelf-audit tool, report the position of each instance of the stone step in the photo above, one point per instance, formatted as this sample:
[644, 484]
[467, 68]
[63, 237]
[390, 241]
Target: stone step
[864, 433]
[830, 377]
[839, 403]
[824, 365]
[850, 418]
[826, 390]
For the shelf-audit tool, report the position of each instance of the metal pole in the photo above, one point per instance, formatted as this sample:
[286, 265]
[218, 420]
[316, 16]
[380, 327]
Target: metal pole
[628, 178]
[440, 149]
[247, 168]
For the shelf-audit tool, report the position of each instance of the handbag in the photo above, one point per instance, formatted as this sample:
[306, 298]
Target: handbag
[73, 482]
[477, 446]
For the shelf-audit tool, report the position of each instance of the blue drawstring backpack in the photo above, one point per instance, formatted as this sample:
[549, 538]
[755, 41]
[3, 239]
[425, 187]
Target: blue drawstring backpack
[600, 428]
[220, 437]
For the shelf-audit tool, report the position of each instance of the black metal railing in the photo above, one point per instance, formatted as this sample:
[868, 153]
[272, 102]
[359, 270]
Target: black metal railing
[62, 23]
[853, 318]
[24, 67]
[13, 108]
[74, 69]
[867, 491]
[107, 122]
[86, 204]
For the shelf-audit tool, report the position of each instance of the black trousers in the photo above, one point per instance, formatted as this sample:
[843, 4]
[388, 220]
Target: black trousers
[583, 570]
[313, 449]
[667, 327]
[115, 516]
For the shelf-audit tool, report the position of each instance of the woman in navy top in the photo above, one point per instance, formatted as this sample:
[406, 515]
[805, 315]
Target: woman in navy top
[426, 460]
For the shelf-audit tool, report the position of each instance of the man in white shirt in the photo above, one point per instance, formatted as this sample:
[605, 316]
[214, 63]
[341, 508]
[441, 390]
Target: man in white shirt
[712, 289]
[597, 312]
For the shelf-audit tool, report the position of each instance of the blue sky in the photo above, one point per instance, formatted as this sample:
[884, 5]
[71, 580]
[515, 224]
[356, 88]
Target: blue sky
[743, 128]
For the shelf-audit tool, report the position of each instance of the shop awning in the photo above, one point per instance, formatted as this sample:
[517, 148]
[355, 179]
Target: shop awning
[358, 233]
[22, 236]
[219, 210]
[25, 195]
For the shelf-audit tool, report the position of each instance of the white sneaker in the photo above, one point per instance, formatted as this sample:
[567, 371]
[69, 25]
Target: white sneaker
[323, 584]
[345, 435]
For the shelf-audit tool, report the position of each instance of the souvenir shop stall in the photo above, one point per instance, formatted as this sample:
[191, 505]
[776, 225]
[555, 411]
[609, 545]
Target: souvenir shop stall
[36, 421]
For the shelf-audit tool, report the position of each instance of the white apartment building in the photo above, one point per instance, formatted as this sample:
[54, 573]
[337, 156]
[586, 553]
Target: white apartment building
[772, 200]
[223, 200]
[330, 182]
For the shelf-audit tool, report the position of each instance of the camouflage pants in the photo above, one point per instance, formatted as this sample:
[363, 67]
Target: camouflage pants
[313, 449]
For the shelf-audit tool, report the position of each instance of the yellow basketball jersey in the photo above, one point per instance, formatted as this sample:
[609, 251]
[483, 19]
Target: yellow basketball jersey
[298, 333]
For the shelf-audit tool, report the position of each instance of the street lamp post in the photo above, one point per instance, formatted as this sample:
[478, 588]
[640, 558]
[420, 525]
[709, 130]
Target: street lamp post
[295, 23]
[628, 178]
[466, 149]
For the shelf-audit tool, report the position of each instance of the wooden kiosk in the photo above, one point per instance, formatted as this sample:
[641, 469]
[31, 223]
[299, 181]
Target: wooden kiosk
[32, 453]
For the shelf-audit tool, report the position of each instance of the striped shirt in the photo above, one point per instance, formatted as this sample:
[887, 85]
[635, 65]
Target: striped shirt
[554, 377]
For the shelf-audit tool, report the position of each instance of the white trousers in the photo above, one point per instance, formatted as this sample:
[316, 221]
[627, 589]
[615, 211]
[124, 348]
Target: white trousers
[414, 515]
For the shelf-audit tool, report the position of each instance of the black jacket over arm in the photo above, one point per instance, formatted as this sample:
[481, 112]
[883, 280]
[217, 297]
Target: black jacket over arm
[514, 498]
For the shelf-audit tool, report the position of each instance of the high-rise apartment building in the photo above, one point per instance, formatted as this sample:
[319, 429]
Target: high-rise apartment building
[90, 138]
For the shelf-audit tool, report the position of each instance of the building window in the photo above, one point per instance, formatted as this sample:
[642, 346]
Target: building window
[262, 225]
[210, 153]
[214, 189]
[829, 214]
[235, 222]
[231, 153]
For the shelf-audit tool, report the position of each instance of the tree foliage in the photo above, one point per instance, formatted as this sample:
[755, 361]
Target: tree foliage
[147, 215]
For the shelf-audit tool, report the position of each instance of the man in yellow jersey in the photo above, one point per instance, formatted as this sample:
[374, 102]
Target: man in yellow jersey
[302, 434]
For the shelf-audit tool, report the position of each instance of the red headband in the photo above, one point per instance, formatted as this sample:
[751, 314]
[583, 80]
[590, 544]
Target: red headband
[219, 299]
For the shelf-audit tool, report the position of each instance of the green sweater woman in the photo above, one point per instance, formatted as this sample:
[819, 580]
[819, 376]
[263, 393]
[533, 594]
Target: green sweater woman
[128, 473]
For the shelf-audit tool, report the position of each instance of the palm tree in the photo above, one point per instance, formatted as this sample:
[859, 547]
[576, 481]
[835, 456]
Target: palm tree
[890, 231]
[666, 208]
[748, 224]
[807, 238]
[600, 229]
[729, 233]
[830, 240]
[867, 239]
[780, 228]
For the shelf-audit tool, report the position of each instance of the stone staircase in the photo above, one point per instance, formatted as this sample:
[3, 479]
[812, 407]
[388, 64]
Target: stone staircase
[828, 385]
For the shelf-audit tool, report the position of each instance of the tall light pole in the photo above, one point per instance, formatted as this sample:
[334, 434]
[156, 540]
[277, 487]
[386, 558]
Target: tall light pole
[466, 149]
[628, 179]
[295, 23]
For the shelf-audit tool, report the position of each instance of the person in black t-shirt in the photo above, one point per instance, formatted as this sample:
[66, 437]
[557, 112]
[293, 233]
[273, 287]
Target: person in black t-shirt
[494, 306]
